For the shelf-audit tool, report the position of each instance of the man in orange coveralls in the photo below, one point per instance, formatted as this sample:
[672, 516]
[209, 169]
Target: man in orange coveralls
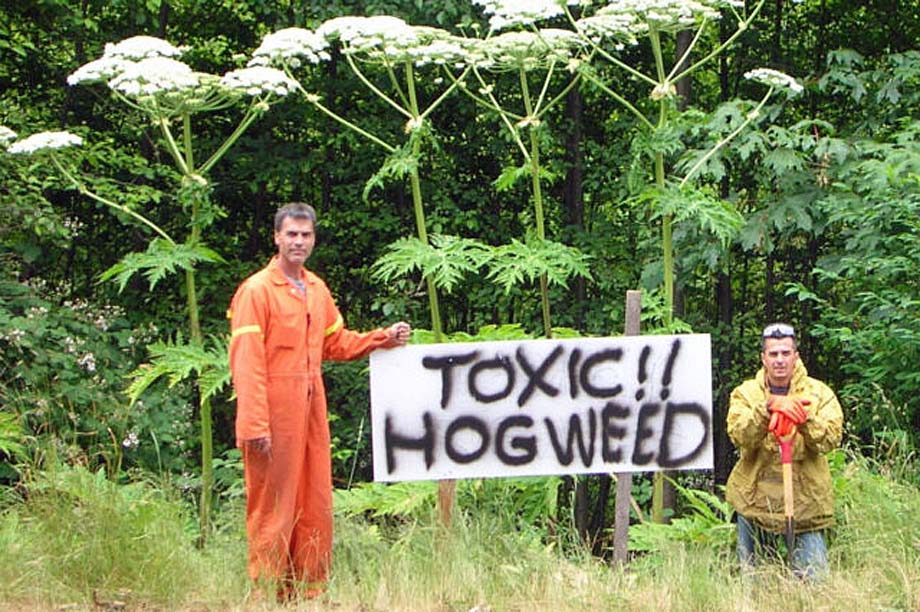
[284, 322]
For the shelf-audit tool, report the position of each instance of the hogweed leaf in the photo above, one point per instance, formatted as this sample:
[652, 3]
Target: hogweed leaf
[177, 361]
[513, 264]
[446, 260]
[160, 258]
[710, 212]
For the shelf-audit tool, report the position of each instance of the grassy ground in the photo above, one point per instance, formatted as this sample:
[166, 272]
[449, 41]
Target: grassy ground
[79, 542]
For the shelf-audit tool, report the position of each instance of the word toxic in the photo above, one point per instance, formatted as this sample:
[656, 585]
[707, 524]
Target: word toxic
[580, 368]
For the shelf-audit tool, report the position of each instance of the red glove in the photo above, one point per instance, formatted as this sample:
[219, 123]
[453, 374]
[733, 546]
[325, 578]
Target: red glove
[790, 407]
[780, 426]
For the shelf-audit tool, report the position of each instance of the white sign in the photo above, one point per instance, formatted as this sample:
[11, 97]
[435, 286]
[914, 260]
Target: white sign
[541, 407]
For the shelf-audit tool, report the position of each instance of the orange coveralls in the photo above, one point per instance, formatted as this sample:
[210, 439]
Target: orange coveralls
[279, 338]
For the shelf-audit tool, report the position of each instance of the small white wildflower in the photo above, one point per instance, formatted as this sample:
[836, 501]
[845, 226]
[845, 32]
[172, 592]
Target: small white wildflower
[141, 47]
[258, 80]
[87, 362]
[774, 78]
[44, 141]
[155, 75]
[289, 45]
[130, 441]
[15, 335]
[6, 135]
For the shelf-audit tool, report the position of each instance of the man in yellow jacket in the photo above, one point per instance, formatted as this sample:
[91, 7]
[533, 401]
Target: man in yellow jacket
[783, 400]
[284, 323]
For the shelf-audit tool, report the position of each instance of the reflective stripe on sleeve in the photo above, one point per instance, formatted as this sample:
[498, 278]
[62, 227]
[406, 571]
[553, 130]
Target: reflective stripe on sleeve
[246, 329]
[335, 326]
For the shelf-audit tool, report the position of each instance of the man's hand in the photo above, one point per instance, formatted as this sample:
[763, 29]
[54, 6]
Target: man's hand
[399, 334]
[790, 406]
[262, 446]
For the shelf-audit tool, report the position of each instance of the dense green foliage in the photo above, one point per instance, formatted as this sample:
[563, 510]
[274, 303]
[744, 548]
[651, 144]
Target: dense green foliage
[809, 215]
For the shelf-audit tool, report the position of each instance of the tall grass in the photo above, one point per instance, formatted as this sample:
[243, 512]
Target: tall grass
[75, 534]
[77, 537]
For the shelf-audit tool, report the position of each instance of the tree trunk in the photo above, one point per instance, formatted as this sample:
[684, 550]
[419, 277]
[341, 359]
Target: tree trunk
[573, 196]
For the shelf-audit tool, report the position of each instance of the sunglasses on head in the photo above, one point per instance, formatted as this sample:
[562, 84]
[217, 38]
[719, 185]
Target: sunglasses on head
[778, 330]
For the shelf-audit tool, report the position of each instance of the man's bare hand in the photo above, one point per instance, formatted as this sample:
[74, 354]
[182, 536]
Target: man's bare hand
[262, 446]
[399, 334]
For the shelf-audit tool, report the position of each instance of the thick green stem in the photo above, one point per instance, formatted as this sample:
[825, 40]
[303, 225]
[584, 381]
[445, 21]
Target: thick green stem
[419, 209]
[204, 405]
[666, 245]
[541, 230]
[537, 201]
[171, 145]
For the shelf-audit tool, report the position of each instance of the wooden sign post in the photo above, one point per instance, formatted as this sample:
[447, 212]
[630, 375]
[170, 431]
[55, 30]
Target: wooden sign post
[624, 479]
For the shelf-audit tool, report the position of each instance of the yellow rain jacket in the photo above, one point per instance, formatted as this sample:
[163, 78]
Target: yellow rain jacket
[755, 486]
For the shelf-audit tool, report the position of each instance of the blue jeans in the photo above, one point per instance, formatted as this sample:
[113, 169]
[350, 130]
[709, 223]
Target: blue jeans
[809, 556]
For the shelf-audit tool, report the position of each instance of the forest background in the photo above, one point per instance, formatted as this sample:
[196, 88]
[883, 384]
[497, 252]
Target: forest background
[824, 184]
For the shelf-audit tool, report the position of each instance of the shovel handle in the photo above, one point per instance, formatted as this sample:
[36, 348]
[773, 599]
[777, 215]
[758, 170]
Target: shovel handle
[785, 450]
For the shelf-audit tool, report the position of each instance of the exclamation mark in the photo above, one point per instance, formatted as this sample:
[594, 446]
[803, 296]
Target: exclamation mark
[643, 359]
[666, 379]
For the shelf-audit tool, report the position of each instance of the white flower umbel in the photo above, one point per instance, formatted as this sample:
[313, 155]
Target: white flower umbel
[390, 40]
[141, 47]
[103, 69]
[6, 135]
[290, 45]
[619, 27]
[774, 78]
[530, 50]
[259, 80]
[433, 46]
[45, 141]
[155, 75]
[511, 13]
[358, 33]
[120, 56]
[637, 16]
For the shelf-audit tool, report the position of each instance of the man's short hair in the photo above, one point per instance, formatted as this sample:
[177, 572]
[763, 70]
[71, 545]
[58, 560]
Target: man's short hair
[778, 330]
[294, 210]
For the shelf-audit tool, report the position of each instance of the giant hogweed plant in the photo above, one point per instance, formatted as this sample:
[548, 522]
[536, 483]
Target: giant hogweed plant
[604, 32]
[535, 58]
[143, 73]
[388, 56]
[672, 198]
